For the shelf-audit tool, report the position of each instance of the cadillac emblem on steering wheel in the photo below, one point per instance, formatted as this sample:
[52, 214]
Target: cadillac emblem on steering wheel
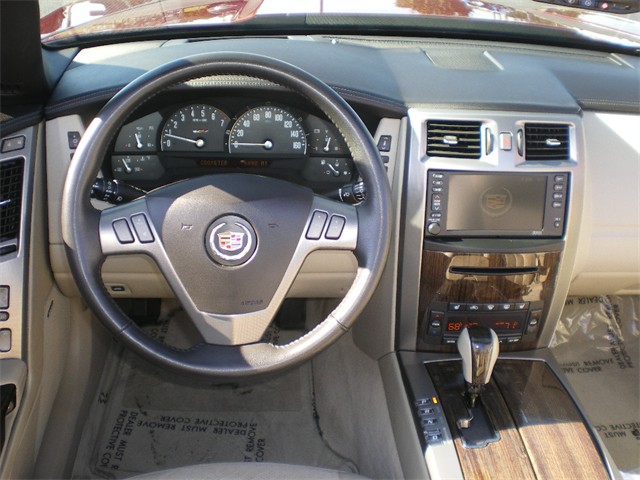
[231, 241]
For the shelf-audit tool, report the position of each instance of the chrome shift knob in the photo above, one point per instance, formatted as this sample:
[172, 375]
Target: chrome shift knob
[479, 348]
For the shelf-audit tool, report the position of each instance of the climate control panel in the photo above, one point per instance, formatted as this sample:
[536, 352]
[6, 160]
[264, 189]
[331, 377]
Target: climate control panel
[514, 322]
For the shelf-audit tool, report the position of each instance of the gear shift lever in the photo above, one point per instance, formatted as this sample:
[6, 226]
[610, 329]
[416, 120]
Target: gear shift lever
[479, 348]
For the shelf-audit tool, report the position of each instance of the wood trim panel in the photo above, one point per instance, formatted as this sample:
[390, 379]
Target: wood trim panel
[552, 429]
[505, 459]
[542, 434]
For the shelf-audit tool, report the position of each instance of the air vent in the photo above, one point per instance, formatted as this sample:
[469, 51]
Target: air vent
[546, 141]
[10, 199]
[453, 139]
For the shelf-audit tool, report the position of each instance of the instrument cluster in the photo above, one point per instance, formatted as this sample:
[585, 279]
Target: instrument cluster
[200, 138]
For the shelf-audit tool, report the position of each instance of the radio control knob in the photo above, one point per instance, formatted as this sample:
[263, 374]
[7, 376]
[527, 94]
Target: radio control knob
[434, 228]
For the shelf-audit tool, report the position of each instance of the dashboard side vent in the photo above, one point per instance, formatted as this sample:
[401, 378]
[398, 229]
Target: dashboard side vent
[453, 139]
[11, 172]
[546, 141]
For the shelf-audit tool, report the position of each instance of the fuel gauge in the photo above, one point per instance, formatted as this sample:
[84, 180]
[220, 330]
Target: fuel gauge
[324, 138]
[329, 170]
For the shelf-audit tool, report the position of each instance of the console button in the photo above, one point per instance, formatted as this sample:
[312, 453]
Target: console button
[5, 340]
[336, 225]
[4, 316]
[506, 141]
[122, 231]
[556, 204]
[457, 307]
[522, 306]
[474, 307]
[385, 158]
[436, 202]
[384, 143]
[558, 196]
[74, 139]
[559, 179]
[490, 307]
[437, 176]
[434, 228]
[314, 232]
[4, 297]
[505, 306]
[141, 226]
[12, 144]
[558, 187]
[534, 321]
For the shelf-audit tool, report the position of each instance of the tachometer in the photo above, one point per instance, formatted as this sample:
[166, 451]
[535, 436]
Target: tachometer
[195, 128]
[267, 129]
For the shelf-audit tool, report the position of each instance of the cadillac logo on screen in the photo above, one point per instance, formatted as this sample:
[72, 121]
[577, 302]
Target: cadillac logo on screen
[231, 241]
[496, 201]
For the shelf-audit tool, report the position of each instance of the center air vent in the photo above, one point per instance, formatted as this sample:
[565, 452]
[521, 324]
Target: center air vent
[546, 141]
[10, 199]
[453, 139]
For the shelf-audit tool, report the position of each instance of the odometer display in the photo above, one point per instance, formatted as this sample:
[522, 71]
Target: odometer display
[267, 130]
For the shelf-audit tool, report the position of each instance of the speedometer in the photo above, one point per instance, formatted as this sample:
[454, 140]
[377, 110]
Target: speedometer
[267, 129]
[195, 128]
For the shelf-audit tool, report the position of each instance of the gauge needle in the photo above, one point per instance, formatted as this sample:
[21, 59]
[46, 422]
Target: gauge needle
[326, 147]
[127, 168]
[138, 141]
[198, 142]
[336, 173]
[268, 144]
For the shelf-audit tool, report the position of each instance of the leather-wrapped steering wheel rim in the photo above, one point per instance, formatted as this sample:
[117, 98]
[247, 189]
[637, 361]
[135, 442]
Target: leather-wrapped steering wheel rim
[82, 223]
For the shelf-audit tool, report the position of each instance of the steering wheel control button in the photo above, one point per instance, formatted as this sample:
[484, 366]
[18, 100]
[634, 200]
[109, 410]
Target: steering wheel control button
[122, 231]
[336, 225]
[318, 220]
[231, 241]
[141, 226]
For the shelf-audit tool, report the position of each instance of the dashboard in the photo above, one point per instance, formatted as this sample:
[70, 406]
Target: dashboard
[202, 134]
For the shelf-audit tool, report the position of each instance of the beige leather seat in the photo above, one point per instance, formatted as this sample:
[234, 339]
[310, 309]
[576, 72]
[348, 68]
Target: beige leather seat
[248, 471]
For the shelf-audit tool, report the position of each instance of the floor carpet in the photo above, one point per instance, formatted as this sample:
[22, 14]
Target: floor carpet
[145, 419]
[597, 344]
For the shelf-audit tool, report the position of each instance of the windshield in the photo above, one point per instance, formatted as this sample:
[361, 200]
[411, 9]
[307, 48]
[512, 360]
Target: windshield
[63, 21]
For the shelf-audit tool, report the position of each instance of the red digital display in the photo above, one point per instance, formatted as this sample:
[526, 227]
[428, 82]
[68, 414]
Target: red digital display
[500, 324]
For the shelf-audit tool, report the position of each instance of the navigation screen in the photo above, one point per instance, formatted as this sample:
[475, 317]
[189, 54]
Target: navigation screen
[496, 202]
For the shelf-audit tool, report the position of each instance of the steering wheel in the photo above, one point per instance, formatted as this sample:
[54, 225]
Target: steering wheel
[229, 245]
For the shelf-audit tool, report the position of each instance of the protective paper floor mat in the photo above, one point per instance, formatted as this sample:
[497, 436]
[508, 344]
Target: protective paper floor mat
[145, 419]
[597, 344]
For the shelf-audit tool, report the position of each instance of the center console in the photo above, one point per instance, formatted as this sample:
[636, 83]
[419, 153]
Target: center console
[488, 246]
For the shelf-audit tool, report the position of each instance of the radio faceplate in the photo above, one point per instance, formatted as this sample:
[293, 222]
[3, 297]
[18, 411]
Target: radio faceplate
[475, 204]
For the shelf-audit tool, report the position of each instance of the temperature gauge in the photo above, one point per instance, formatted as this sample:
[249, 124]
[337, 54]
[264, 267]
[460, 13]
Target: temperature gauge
[136, 167]
[139, 136]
